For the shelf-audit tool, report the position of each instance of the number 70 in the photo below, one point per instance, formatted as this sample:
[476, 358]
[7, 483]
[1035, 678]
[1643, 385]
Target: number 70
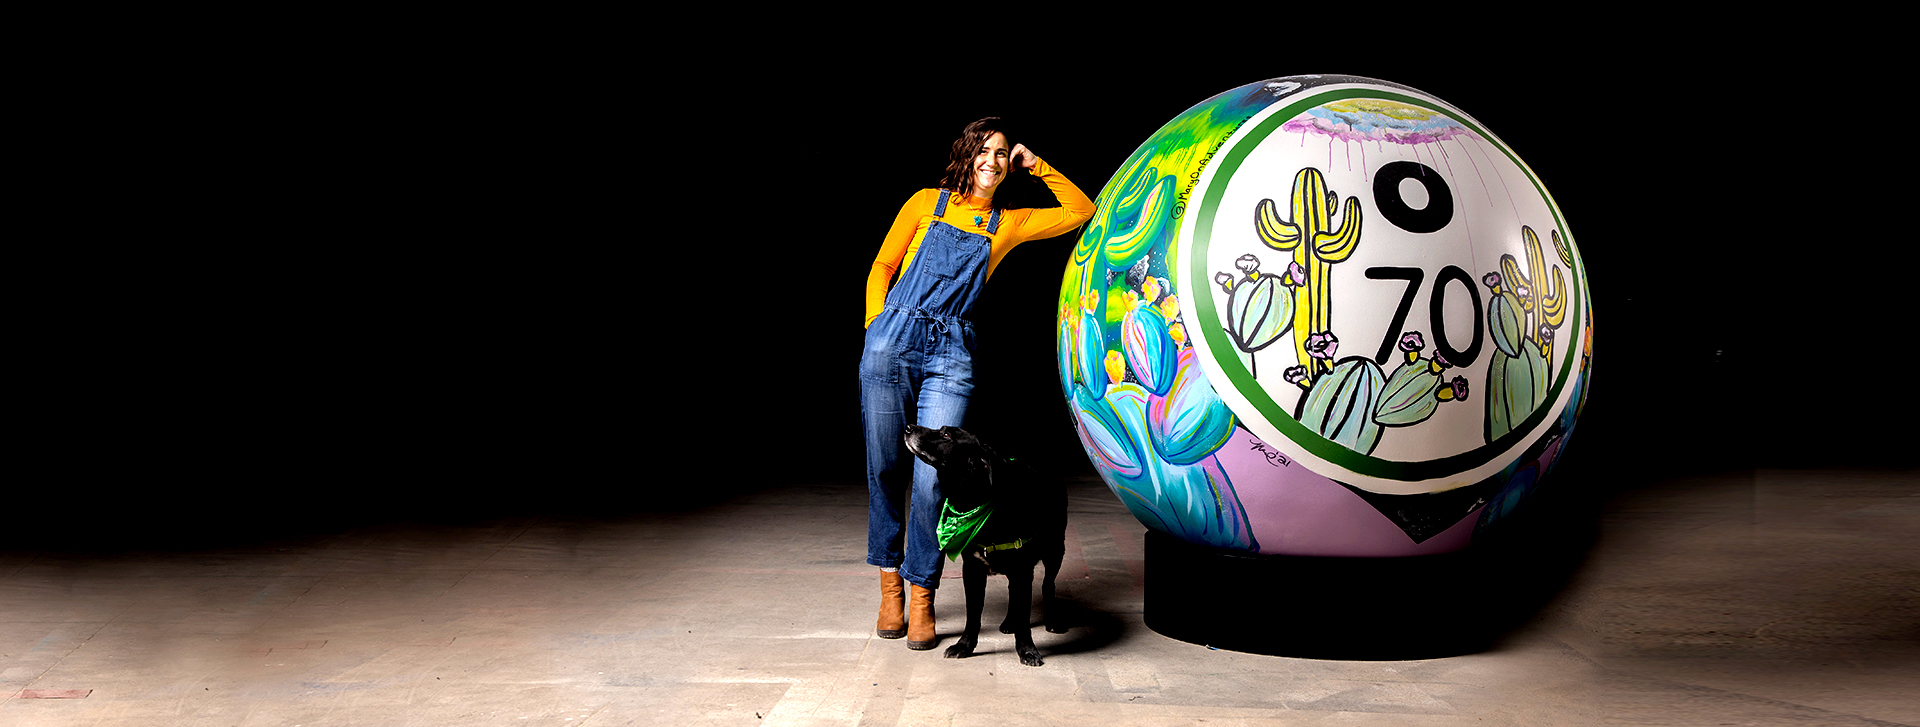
[1436, 307]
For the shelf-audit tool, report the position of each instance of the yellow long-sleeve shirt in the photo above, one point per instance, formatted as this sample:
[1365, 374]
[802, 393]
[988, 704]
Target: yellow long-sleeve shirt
[1016, 226]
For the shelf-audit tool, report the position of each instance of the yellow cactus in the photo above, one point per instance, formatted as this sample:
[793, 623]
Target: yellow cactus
[1316, 246]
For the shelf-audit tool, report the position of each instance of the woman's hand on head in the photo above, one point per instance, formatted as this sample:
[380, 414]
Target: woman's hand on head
[1024, 157]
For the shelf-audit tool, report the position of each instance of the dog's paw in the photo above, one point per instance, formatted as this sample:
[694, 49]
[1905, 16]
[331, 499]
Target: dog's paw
[963, 650]
[1009, 626]
[1030, 656]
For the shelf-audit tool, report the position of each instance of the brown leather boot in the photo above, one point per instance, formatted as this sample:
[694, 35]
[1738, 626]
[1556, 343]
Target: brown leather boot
[893, 606]
[920, 633]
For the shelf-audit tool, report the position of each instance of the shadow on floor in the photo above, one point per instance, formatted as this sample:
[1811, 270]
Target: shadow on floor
[1387, 609]
[1087, 630]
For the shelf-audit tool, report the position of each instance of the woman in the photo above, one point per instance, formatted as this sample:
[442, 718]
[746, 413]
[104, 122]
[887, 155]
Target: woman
[918, 364]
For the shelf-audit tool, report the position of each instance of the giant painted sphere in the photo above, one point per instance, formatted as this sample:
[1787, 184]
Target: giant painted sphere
[1324, 315]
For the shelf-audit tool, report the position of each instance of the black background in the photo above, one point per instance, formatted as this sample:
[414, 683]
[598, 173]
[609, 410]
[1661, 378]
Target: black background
[432, 276]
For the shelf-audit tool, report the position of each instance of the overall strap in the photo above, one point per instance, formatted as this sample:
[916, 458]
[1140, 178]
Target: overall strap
[940, 208]
[993, 227]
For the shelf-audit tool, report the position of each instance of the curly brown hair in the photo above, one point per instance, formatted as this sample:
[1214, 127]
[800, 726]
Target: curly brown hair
[959, 174]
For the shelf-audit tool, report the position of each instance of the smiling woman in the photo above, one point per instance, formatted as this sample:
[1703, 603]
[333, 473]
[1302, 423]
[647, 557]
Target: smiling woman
[981, 160]
[917, 366]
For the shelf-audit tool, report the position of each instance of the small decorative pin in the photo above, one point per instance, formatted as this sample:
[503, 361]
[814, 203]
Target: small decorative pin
[977, 222]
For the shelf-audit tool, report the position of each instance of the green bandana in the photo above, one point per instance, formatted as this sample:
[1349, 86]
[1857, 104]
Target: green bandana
[957, 529]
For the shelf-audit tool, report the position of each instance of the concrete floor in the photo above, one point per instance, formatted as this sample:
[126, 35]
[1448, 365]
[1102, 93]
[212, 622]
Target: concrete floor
[1757, 598]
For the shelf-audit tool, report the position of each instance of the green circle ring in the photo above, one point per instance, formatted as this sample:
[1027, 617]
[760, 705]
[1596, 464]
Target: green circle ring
[1243, 381]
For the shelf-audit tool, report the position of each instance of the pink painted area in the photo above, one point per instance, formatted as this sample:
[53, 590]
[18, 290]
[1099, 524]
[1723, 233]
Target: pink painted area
[1297, 512]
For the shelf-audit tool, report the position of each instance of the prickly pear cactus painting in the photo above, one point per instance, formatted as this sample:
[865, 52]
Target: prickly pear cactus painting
[1324, 315]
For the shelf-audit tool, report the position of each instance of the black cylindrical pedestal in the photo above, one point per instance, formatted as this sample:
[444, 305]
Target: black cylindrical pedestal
[1330, 608]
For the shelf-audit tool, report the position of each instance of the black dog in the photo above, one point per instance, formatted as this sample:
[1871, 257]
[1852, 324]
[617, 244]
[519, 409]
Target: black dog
[1027, 526]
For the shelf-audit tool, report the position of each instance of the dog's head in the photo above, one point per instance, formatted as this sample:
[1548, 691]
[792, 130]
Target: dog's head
[961, 458]
[946, 448]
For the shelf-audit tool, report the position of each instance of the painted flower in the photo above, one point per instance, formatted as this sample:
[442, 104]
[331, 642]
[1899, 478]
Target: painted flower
[1322, 345]
[1492, 280]
[1460, 388]
[1178, 333]
[1170, 307]
[1546, 336]
[1225, 282]
[1248, 264]
[1296, 275]
[1152, 289]
[1411, 342]
[1295, 375]
[1116, 367]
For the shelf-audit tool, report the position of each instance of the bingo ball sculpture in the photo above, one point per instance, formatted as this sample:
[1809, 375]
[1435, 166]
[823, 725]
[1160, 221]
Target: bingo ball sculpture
[1324, 316]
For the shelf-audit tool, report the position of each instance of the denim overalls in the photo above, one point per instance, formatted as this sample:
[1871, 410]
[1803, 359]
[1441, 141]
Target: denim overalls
[918, 369]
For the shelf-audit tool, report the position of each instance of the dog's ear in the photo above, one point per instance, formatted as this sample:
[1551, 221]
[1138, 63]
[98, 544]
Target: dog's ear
[982, 461]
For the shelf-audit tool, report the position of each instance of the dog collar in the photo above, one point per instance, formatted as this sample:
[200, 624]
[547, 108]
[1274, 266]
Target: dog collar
[1004, 546]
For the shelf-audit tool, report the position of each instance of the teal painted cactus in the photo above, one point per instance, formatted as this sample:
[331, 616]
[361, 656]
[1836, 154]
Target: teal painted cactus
[1340, 403]
[1417, 388]
[1515, 385]
[1149, 349]
[1505, 321]
[1408, 397]
[1259, 306]
[1522, 316]
[1109, 438]
[1090, 353]
[1146, 413]
[1190, 422]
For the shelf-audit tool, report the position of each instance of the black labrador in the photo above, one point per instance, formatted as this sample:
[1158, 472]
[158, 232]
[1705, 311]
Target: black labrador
[1027, 526]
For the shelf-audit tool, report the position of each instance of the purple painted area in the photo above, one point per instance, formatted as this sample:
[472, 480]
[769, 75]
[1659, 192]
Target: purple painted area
[1360, 128]
[1297, 512]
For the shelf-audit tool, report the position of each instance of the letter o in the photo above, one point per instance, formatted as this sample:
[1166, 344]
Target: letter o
[1386, 196]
